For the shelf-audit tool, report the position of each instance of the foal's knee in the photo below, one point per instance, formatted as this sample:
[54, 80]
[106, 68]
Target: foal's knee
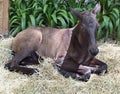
[84, 73]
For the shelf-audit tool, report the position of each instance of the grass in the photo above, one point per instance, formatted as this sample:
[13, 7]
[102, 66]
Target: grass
[51, 82]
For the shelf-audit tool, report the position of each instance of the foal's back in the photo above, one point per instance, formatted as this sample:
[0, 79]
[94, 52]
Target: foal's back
[48, 42]
[55, 42]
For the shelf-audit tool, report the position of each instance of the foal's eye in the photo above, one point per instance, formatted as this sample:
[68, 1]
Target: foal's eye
[90, 22]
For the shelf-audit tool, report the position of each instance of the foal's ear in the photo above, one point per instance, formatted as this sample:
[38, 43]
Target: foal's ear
[76, 13]
[96, 9]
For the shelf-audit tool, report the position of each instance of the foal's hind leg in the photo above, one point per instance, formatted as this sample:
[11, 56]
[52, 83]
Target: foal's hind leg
[13, 65]
[32, 59]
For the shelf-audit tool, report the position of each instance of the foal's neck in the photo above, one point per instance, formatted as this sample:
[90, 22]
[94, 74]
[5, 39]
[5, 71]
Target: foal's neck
[76, 49]
[78, 39]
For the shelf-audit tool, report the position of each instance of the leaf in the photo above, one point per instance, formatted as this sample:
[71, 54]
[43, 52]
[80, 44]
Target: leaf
[41, 23]
[110, 25]
[39, 17]
[45, 8]
[99, 35]
[23, 21]
[72, 20]
[54, 17]
[13, 22]
[13, 17]
[106, 21]
[62, 10]
[113, 14]
[118, 23]
[64, 14]
[116, 11]
[118, 38]
[32, 18]
[17, 30]
[113, 19]
[106, 36]
[11, 13]
[44, 2]
[63, 23]
[10, 32]
[29, 24]
[52, 23]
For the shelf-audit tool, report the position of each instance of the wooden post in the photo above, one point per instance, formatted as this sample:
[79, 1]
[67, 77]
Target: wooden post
[4, 16]
[1, 15]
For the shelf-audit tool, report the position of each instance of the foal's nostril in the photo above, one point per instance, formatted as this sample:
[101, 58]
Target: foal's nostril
[93, 51]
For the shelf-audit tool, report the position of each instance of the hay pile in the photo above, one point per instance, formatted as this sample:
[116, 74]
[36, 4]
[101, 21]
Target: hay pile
[51, 82]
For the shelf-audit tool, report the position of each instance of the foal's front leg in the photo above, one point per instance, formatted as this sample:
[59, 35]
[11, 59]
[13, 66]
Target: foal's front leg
[100, 67]
[81, 72]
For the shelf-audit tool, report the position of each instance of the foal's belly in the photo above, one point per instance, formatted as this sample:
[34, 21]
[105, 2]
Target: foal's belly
[55, 43]
[47, 51]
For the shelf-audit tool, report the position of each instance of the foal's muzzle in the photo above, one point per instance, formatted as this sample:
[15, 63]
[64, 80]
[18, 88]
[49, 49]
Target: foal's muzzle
[93, 51]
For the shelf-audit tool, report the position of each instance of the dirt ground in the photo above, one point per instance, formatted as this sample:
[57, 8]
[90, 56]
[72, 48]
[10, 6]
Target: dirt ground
[51, 82]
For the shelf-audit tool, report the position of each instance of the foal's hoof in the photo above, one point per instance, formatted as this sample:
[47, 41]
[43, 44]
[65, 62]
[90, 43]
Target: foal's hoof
[7, 66]
[35, 72]
[84, 77]
[101, 70]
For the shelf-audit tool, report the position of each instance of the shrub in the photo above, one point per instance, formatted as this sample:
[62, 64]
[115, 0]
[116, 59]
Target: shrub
[25, 13]
[109, 20]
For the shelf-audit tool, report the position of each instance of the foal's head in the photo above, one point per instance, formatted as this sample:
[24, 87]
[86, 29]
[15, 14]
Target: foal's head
[87, 29]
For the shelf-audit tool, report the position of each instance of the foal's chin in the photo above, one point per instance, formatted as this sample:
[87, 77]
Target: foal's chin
[92, 55]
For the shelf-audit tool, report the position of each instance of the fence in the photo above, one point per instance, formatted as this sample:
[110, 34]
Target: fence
[4, 4]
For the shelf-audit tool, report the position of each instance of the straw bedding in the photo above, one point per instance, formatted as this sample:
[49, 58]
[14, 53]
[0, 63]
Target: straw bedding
[51, 82]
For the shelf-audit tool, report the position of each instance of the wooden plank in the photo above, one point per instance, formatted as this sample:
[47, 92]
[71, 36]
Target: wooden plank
[1, 9]
[1, 16]
[5, 15]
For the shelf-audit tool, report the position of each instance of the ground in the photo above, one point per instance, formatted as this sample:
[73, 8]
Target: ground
[51, 82]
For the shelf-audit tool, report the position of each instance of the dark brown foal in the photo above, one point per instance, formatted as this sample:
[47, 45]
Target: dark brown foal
[73, 49]
[80, 57]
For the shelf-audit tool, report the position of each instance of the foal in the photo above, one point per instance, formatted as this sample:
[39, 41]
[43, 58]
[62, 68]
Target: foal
[80, 58]
[73, 49]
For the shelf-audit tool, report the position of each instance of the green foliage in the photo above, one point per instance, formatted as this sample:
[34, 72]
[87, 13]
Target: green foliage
[109, 20]
[25, 13]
